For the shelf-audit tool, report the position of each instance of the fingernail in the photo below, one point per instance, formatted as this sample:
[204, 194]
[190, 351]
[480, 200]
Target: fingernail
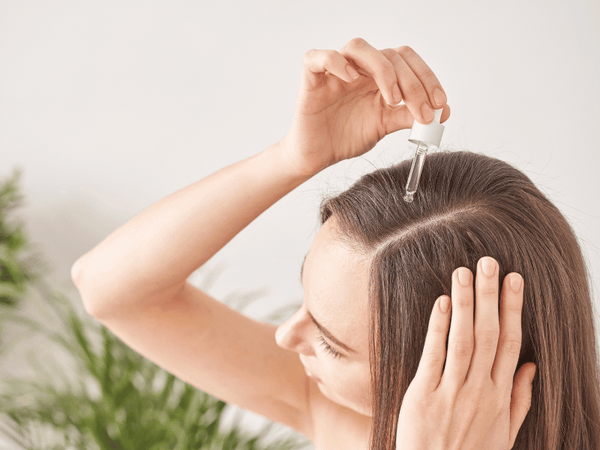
[532, 374]
[352, 72]
[488, 266]
[427, 112]
[396, 93]
[464, 276]
[515, 282]
[445, 304]
[439, 97]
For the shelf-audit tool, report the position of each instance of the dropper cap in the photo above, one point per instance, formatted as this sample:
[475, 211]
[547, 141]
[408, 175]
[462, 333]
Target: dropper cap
[431, 133]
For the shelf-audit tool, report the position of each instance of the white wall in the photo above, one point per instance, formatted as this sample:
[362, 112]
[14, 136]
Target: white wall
[110, 106]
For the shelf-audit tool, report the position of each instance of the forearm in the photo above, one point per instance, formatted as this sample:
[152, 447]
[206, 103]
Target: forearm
[158, 249]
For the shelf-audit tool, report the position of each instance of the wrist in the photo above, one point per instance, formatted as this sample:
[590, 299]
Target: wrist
[294, 169]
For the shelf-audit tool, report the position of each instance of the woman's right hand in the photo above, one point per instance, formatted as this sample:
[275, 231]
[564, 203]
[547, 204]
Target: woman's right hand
[467, 393]
[338, 117]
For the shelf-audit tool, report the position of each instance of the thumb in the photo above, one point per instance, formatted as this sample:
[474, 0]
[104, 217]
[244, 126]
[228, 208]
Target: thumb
[520, 401]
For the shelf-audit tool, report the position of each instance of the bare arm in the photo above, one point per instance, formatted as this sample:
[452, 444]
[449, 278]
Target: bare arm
[134, 282]
[149, 258]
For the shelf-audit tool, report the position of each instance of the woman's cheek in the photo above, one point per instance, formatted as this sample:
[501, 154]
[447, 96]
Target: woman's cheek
[332, 370]
[357, 383]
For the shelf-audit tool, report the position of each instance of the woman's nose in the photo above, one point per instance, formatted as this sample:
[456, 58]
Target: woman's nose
[291, 335]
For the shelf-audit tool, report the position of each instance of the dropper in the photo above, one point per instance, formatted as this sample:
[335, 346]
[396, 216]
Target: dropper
[424, 136]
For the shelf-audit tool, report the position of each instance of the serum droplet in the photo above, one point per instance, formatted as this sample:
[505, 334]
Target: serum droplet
[408, 197]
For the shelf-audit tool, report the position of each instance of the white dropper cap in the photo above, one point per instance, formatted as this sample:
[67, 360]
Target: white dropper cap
[431, 133]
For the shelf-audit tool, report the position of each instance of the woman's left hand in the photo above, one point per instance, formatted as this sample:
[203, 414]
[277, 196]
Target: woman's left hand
[474, 403]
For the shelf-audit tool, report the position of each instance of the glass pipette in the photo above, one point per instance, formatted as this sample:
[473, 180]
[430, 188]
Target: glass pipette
[425, 136]
[415, 171]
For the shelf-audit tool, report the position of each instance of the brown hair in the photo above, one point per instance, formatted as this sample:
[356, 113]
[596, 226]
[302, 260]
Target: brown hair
[468, 206]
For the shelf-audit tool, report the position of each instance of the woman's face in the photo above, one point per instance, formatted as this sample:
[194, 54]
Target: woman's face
[330, 332]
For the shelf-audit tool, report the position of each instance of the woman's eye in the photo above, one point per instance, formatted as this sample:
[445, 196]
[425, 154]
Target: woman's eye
[329, 349]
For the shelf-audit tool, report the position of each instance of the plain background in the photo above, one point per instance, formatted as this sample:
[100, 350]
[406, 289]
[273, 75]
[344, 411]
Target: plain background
[110, 106]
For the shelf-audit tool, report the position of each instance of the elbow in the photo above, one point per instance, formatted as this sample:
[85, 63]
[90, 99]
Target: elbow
[76, 272]
[77, 275]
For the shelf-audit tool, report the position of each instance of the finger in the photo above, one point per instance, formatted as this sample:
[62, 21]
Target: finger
[400, 118]
[460, 341]
[509, 342]
[520, 402]
[435, 91]
[317, 62]
[399, 67]
[487, 327]
[369, 59]
[432, 361]
[412, 88]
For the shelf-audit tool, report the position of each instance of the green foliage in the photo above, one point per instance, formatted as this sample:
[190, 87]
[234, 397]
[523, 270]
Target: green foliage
[112, 397]
[15, 270]
[119, 400]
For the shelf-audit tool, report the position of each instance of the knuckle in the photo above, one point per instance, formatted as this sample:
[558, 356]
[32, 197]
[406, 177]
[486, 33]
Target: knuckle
[435, 356]
[390, 54]
[437, 328]
[413, 89]
[357, 42]
[483, 397]
[488, 339]
[421, 403]
[462, 348]
[514, 306]
[330, 56]
[387, 69]
[512, 343]
[448, 397]
[429, 79]
[488, 291]
[428, 75]
[405, 49]
[497, 404]
[462, 301]
[388, 72]
[308, 55]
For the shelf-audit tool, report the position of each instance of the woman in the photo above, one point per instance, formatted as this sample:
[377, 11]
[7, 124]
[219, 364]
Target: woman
[365, 357]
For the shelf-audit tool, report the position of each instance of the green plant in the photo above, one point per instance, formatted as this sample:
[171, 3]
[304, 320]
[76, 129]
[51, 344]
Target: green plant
[15, 270]
[111, 397]
[119, 400]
